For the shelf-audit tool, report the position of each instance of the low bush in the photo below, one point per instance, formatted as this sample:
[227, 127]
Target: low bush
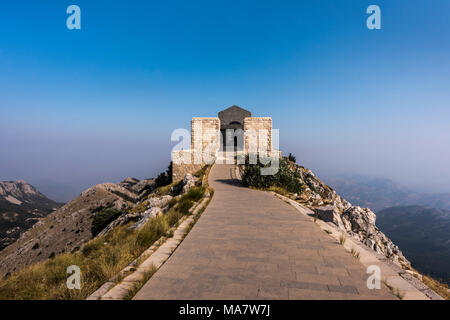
[292, 158]
[102, 219]
[195, 194]
[185, 205]
[284, 178]
[187, 201]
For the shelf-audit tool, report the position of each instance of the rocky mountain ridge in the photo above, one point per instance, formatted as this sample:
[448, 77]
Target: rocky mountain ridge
[21, 206]
[68, 227]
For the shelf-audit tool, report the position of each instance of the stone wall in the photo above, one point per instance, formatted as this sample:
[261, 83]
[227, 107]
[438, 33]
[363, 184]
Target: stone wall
[183, 163]
[205, 143]
[205, 136]
[254, 129]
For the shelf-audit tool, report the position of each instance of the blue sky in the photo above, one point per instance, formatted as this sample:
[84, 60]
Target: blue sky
[80, 107]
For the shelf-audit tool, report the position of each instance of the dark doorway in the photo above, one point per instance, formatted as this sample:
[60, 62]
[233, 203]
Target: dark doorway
[232, 119]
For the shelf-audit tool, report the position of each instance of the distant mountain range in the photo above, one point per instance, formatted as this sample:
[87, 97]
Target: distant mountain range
[380, 193]
[423, 234]
[21, 206]
[418, 223]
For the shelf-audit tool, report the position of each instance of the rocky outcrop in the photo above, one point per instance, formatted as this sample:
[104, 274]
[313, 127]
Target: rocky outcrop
[141, 187]
[152, 206]
[188, 183]
[360, 224]
[357, 222]
[141, 213]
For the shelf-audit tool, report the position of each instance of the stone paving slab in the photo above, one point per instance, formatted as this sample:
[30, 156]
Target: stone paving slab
[250, 244]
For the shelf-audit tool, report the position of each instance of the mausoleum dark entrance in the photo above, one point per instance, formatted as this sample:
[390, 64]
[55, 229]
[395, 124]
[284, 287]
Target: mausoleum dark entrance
[232, 121]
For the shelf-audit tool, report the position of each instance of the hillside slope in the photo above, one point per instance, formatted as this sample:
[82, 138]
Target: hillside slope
[424, 236]
[21, 206]
[70, 226]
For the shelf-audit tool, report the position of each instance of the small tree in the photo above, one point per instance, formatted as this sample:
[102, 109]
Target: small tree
[291, 158]
[165, 178]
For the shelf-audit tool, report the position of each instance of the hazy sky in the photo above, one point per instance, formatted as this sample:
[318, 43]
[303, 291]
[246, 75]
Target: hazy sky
[99, 104]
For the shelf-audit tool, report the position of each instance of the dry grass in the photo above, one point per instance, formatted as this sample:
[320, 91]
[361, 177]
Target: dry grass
[99, 260]
[438, 287]
[355, 253]
[279, 190]
[395, 291]
[342, 238]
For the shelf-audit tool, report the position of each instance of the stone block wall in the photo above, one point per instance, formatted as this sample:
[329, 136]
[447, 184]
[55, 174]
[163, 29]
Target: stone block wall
[205, 133]
[205, 143]
[254, 129]
[183, 163]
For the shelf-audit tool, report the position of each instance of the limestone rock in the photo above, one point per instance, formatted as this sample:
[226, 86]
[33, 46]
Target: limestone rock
[188, 183]
[150, 213]
[329, 213]
[357, 222]
[159, 201]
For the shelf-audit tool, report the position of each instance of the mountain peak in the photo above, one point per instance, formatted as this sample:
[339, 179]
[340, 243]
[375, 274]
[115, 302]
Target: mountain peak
[21, 206]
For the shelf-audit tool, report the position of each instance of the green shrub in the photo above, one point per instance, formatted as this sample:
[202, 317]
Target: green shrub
[102, 219]
[292, 158]
[164, 178]
[91, 247]
[200, 173]
[284, 178]
[187, 201]
[172, 202]
[195, 194]
[185, 205]
[151, 232]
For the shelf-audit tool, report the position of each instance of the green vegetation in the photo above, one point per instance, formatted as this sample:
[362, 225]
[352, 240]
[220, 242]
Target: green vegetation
[102, 219]
[199, 213]
[285, 178]
[292, 158]
[187, 201]
[201, 173]
[100, 259]
[138, 208]
[165, 178]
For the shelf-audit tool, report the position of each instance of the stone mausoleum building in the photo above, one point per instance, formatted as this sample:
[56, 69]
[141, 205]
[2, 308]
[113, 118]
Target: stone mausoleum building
[233, 133]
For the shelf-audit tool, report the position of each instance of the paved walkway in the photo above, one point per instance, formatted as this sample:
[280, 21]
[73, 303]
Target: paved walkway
[249, 244]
